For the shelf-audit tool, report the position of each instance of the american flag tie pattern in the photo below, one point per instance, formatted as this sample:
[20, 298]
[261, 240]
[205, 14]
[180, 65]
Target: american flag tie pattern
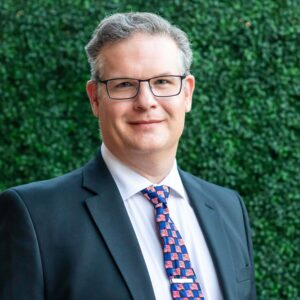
[184, 285]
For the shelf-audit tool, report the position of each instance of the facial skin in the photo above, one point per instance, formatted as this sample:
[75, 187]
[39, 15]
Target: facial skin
[145, 128]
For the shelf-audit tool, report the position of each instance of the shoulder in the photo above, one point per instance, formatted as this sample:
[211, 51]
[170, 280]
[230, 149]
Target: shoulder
[66, 190]
[206, 186]
[226, 200]
[62, 182]
[62, 191]
[46, 202]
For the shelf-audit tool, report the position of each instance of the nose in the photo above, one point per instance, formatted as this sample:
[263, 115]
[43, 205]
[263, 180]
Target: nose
[144, 99]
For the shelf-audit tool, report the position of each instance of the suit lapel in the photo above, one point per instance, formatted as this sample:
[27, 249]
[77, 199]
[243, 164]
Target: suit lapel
[212, 226]
[120, 238]
[109, 213]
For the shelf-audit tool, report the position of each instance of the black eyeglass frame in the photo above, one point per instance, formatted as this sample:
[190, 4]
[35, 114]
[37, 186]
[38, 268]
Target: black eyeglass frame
[139, 81]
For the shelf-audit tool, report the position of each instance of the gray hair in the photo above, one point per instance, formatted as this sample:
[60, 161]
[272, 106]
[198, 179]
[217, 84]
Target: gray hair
[121, 26]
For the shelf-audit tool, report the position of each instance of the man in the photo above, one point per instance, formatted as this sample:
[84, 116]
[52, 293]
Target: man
[129, 224]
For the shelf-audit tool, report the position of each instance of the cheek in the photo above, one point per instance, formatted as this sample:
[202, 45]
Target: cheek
[104, 114]
[111, 114]
[177, 110]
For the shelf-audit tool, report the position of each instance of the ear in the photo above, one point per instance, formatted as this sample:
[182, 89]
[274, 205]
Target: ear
[92, 91]
[189, 86]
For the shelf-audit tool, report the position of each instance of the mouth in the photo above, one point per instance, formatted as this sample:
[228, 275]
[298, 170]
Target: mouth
[145, 122]
[145, 125]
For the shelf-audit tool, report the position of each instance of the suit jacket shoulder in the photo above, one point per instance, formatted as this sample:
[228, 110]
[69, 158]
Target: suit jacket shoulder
[58, 241]
[224, 221]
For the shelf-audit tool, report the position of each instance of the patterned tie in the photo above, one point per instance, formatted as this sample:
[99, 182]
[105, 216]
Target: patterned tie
[183, 281]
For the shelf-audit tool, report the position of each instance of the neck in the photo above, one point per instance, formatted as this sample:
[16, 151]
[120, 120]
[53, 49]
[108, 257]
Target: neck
[153, 166]
[154, 169]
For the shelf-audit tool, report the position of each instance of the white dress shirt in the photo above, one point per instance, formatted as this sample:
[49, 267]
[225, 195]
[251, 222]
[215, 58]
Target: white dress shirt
[141, 214]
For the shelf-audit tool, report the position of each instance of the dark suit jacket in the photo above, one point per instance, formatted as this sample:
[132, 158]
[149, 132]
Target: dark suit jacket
[71, 238]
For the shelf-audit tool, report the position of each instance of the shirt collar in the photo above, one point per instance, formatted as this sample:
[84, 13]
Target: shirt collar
[130, 182]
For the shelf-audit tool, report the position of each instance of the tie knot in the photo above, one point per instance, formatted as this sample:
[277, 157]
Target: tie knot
[157, 194]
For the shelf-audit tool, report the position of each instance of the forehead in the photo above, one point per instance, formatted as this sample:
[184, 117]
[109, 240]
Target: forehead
[141, 56]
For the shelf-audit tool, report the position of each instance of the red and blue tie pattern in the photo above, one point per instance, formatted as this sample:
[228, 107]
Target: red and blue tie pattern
[184, 285]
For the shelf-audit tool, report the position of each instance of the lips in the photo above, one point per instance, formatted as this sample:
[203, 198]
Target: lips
[145, 122]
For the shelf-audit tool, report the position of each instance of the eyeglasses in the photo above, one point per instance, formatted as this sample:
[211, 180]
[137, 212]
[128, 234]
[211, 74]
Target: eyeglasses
[128, 88]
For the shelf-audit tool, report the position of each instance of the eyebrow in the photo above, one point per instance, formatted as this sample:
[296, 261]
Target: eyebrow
[127, 77]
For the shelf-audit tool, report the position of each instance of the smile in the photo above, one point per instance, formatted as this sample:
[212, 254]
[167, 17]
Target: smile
[142, 122]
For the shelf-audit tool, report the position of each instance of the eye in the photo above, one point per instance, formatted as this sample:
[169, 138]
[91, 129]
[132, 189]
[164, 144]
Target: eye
[161, 81]
[123, 84]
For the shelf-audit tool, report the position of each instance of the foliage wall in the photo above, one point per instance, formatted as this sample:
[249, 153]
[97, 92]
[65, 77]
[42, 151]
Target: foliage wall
[243, 132]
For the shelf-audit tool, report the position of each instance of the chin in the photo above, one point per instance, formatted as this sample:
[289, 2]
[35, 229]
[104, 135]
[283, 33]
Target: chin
[149, 148]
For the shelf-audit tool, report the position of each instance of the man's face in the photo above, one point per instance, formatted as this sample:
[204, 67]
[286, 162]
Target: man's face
[145, 124]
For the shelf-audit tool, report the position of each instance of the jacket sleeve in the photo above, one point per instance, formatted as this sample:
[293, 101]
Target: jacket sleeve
[21, 274]
[249, 245]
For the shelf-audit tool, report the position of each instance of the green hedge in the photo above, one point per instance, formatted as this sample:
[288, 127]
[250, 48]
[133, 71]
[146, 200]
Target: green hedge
[243, 132]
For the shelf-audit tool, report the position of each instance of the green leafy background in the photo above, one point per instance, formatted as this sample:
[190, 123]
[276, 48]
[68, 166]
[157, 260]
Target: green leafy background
[243, 131]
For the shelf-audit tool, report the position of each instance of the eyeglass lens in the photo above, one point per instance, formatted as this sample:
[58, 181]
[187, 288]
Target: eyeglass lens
[164, 86]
